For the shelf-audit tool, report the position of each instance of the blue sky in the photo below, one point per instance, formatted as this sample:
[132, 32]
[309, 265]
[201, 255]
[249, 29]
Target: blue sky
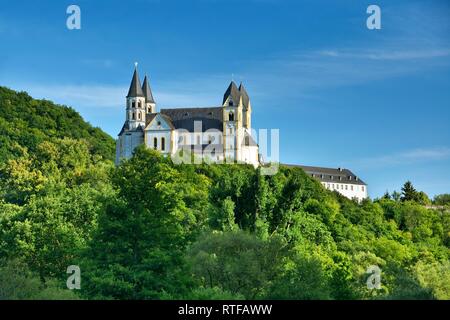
[374, 101]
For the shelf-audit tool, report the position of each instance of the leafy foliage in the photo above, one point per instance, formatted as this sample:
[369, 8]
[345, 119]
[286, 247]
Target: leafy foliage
[152, 229]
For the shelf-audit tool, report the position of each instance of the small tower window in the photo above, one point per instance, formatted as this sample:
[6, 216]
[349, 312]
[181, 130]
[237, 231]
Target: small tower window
[230, 103]
[155, 143]
[231, 116]
[163, 143]
[133, 116]
[139, 104]
[139, 116]
[133, 104]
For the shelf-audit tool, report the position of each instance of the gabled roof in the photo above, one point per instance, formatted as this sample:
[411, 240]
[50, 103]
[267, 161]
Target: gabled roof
[147, 91]
[232, 91]
[149, 118]
[184, 118]
[135, 86]
[244, 95]
[332, 175]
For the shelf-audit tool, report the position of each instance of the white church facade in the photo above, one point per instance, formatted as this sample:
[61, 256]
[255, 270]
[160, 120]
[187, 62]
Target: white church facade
[218, 134]
[221, 133]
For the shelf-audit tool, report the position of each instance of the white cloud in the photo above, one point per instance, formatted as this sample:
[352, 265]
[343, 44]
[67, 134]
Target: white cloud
[113, 97]
[387, 54]
[420, 155]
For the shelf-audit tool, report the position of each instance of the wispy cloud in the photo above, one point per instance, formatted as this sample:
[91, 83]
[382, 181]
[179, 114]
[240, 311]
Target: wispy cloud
[401, 55]
[103, 63]
[113, 97]
[414, 156]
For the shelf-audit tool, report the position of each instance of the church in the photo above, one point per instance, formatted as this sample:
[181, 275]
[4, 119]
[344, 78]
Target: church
[218, 134]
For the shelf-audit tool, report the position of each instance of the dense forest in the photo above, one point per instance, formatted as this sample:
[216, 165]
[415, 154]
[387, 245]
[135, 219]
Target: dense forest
[151, 229]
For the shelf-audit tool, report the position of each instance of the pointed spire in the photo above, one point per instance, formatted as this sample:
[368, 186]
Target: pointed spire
[135, 86]
[244, 94]
[232, 91]
[147, 91]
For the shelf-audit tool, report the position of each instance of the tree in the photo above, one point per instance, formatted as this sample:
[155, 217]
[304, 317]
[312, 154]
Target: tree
[409, 193]
[138, 250]
[386, 195]
[396, 196]
[236, 262]
[17, 282]
[301, 279]
[442, 199]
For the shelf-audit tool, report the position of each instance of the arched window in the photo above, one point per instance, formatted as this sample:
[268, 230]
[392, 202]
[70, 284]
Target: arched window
[163, 143]
[133, 116]
[231, 116]
[155, 143]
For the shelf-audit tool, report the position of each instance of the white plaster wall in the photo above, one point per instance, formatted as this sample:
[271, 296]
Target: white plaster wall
[249, 154]
[348, 190]
[126, 144]
[151, 135]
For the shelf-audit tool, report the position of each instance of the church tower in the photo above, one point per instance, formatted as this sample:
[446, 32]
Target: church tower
[232, 122]
[136, 108]
[150, 104]
[246, 108]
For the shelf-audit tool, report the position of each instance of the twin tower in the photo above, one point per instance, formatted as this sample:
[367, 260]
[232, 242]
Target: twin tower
[222, 132]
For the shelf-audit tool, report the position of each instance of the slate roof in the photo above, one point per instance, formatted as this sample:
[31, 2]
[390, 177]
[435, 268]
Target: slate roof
[147, 91]
[135, 86]
[244, 94]
[331, 175]
[183, 118]
[233, 91]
